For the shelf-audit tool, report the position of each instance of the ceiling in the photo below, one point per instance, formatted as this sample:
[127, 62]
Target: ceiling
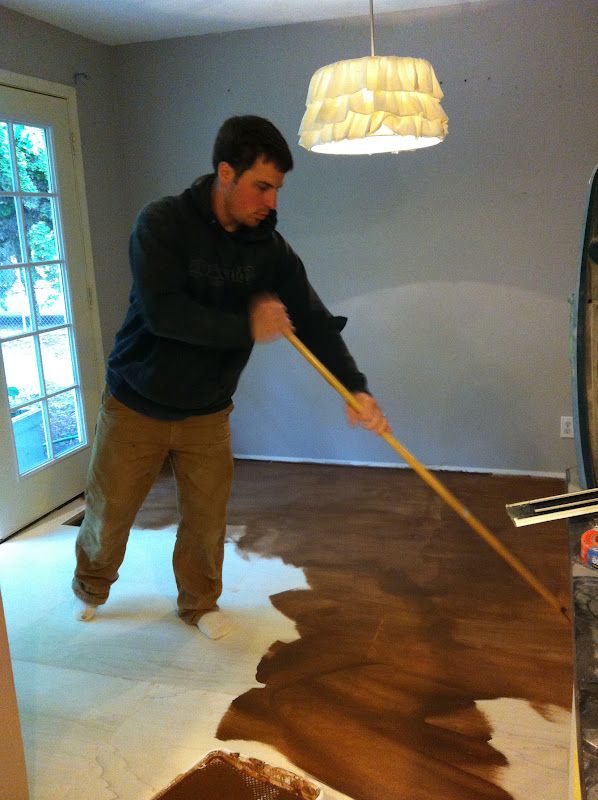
[125, 21]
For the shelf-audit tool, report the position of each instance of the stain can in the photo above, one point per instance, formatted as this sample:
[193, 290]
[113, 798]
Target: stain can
[589, 542]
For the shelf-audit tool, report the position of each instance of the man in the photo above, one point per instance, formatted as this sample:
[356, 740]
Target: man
[211, 277]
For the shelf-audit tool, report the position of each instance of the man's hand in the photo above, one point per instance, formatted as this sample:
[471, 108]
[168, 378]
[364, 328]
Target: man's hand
[268, 318]
[371, 417]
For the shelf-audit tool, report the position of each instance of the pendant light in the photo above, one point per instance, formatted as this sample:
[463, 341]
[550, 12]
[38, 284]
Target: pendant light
[376, 104]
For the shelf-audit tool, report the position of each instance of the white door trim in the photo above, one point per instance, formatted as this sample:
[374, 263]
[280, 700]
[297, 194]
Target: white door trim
[62, 101]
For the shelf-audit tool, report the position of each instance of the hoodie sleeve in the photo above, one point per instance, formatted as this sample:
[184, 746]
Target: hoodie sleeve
[160, 279]
[317, 328]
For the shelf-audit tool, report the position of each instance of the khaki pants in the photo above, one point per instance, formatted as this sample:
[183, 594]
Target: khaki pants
[128, 453]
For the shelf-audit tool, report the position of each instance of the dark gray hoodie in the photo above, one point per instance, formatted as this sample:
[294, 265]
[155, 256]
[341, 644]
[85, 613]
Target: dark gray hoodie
[186, 337]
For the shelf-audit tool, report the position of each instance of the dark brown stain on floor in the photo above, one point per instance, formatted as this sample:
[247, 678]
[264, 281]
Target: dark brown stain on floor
[409, 619]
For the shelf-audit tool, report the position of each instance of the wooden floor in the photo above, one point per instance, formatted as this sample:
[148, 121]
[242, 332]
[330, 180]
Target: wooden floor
[409, 620]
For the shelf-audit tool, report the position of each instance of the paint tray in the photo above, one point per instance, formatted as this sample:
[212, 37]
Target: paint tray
[222, 775]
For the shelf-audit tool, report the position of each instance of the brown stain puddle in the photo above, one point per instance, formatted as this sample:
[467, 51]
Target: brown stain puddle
[409, 619]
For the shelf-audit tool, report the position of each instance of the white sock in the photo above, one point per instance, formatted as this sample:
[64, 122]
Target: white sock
[84, 611]
[214, 625]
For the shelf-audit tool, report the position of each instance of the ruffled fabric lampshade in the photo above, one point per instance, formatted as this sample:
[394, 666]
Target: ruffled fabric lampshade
[376, 104]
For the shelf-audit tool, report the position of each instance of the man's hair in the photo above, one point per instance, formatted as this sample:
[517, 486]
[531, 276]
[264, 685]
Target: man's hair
[241, 140]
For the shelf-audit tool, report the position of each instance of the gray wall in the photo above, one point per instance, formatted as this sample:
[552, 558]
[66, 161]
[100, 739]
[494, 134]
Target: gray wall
[453, 264]
[34, 48]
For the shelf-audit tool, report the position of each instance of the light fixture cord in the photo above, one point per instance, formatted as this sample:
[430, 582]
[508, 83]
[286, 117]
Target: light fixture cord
[372, 27]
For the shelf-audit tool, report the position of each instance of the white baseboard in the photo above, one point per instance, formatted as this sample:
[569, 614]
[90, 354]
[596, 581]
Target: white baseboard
[395, 465]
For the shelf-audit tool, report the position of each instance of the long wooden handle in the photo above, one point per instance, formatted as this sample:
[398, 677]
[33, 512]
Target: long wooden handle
[435, 484]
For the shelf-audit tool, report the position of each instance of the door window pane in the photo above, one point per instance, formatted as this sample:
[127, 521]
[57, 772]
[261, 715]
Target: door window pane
[6, 182]
[32, 158]
[29, 432]
[10, 242]
[65, 427]
[15, 309]
[20, 368]
[57, 360]
[39, 228]
[49, 296]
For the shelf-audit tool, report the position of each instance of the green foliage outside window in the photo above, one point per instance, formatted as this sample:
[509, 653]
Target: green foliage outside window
[34, 178]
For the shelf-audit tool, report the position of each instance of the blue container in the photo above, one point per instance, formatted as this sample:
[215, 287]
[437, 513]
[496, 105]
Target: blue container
[592, 557]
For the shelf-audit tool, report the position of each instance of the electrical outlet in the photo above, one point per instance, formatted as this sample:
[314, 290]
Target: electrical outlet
[566, 427]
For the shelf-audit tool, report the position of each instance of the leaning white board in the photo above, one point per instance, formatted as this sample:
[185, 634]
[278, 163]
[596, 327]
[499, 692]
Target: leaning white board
[559, 506]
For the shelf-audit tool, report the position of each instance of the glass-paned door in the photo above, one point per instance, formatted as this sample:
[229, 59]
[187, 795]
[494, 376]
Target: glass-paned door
[47, 346]
[36, 326]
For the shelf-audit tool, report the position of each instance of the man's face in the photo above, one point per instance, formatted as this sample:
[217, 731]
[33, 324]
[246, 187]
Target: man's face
[249, 198]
